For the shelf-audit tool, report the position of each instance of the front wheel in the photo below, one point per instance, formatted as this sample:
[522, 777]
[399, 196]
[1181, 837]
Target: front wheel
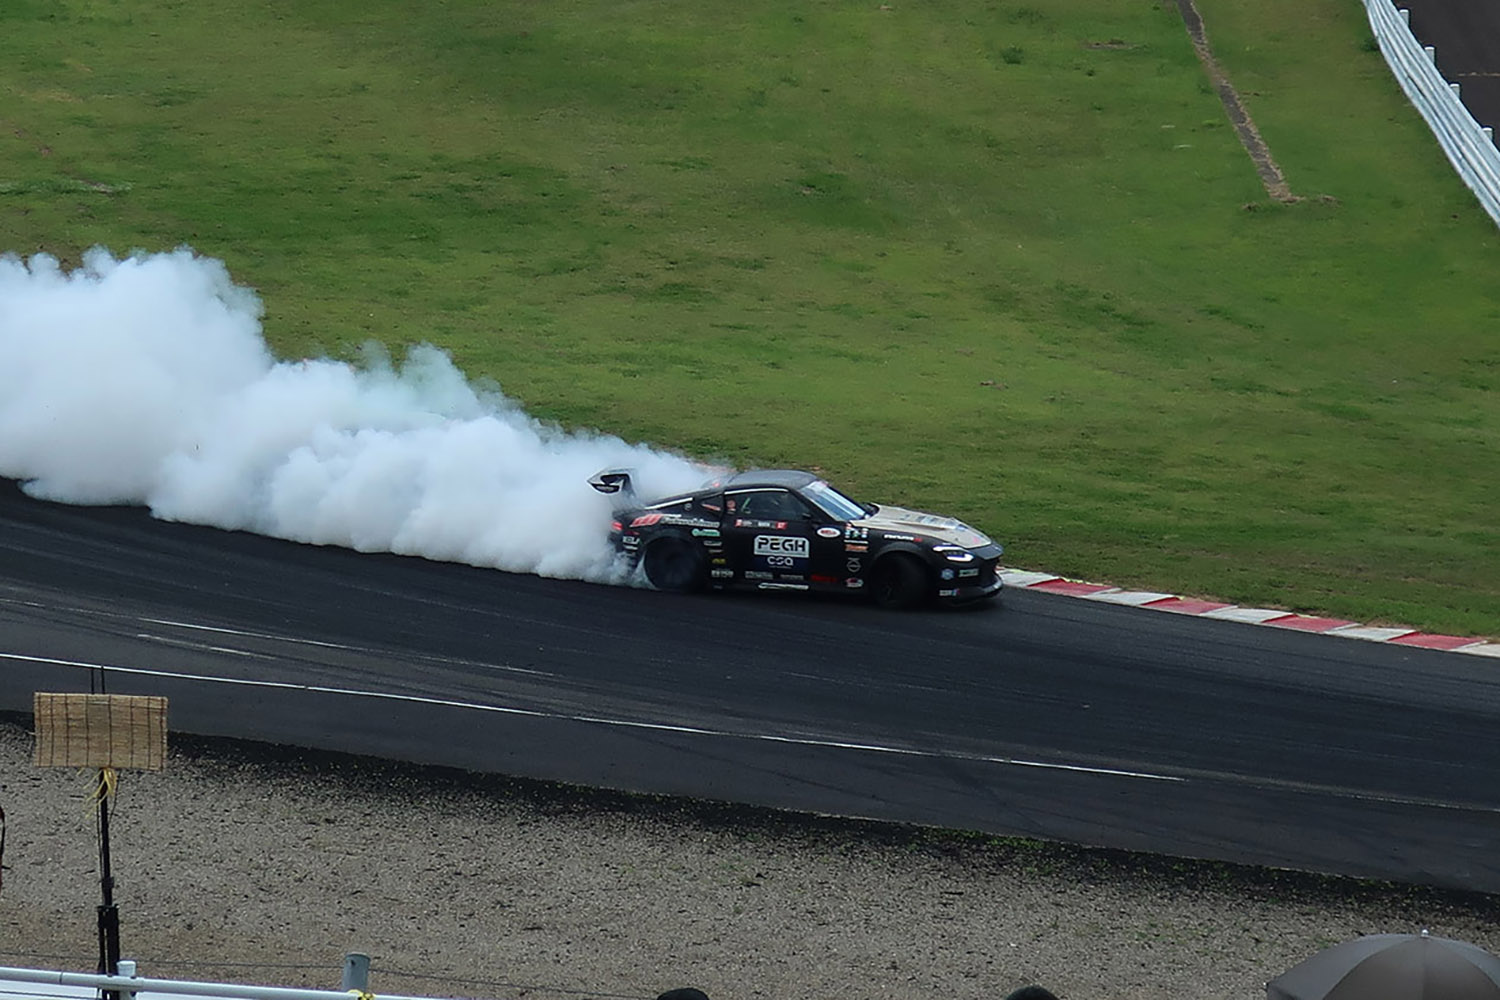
[899, 582]
[675, 564]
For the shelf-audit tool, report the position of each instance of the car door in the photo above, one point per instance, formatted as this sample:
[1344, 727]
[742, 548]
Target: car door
[769, 534]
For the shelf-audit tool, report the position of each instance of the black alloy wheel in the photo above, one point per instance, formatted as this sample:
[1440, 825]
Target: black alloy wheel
[900, 582]
[675, 564]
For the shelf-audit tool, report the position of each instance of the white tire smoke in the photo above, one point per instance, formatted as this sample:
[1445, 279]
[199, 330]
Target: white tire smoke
[147, 380]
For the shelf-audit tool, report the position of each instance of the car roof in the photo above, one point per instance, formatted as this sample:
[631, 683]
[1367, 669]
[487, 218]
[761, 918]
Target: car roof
[793, 479]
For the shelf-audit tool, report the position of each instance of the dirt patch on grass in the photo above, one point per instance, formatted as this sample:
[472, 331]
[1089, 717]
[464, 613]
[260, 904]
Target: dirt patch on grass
[1260, 154]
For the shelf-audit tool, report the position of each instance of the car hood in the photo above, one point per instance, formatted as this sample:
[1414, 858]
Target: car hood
[916, 522]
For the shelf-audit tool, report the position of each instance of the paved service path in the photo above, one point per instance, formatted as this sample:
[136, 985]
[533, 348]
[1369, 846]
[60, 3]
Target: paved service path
[1466, 36]
[1260, 154]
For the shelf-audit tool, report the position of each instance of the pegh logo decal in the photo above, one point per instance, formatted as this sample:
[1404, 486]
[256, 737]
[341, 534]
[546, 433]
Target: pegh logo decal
[781, 545]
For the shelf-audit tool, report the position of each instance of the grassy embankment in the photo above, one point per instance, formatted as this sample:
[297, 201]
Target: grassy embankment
[1007, 261]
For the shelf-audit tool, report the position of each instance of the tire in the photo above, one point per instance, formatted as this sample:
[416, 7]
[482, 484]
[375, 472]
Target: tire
[900, 582]
[675, 564]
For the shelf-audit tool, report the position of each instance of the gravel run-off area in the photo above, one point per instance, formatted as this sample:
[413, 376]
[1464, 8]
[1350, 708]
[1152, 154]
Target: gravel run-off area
[255, 864]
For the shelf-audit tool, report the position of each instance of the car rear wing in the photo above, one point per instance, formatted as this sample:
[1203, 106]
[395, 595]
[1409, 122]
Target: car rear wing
[615, 481]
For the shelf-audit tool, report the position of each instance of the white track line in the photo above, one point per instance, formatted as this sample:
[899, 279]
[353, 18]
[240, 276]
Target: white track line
[594, 720]
[247, 634]
[1224, 776]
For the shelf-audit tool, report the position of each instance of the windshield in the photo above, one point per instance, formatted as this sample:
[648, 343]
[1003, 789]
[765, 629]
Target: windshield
[832, 502]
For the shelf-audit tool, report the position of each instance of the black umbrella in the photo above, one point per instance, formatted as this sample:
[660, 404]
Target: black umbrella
[1392, 967]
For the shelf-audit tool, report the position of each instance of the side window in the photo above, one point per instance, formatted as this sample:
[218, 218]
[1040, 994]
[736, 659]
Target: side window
[772, 505]
[709, 507]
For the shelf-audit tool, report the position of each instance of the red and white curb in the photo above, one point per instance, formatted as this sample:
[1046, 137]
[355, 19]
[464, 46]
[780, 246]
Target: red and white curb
[1051, 584]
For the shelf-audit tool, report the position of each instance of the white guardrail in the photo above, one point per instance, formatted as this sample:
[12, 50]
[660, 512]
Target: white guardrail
[49, 984]
[1470, 146]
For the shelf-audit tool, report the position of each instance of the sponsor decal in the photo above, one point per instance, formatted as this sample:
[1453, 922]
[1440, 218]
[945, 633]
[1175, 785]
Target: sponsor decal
[705, 532]
[856, 547]
[828, 532]
[856, 532]
[755, 574]
[854, 565]
[854, 582]
[901, 538]
[630, 541]
[947, 573]
[948, 593]
[781, 545]
[720, 574]
[968, 572]
[765, 525]
[791, 576]
[817, 578]
[645, 520]
[781, 562]
[720, 561]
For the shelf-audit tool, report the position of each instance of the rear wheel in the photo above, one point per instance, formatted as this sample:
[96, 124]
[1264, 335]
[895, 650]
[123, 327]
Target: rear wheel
[899, 582]
[675, 564]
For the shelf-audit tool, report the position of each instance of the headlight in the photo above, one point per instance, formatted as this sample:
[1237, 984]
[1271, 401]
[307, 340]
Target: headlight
[954, 553]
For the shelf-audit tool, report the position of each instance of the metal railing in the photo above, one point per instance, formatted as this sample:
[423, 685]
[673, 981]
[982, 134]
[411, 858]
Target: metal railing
[1470, 147]
[127, 984]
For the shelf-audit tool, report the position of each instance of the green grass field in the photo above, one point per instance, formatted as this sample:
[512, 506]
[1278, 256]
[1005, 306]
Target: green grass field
[1005, 260]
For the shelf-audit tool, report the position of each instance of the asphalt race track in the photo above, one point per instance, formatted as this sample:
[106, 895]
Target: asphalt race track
[1463, 34]
[1049, 716]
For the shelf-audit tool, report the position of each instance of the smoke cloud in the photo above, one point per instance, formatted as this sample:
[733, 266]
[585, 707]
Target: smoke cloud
[147, 380]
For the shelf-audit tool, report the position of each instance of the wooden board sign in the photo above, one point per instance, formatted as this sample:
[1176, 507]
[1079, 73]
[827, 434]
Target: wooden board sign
[100, 730]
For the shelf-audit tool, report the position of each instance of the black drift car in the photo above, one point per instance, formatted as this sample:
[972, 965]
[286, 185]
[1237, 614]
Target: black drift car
[779, 529]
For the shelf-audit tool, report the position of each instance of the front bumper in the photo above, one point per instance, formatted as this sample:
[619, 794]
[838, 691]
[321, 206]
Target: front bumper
[971, 583]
